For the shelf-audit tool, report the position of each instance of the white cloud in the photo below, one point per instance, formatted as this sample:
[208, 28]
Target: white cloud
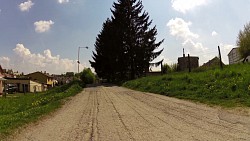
[195, 45]
[43, 26]
[214, 33]
[63, 1]
[26, 5]
[180, 28]
[226, 48]
[5, 62]
[27, 61]
[186, 5]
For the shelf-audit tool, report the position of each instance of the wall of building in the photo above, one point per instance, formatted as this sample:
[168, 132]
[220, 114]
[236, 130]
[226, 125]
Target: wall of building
[38, 77]
[183, 63]
[234, 56]
[42, 78]
[27, 85]
[37, 87]
[1, 87]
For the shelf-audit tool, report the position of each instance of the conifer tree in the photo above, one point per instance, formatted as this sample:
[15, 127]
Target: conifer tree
[126, 44]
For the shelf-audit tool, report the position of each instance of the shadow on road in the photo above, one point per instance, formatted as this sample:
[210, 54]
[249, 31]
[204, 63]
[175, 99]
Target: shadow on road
[100, 84]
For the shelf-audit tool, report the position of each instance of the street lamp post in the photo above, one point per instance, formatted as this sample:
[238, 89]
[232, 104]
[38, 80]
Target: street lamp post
[78, 61]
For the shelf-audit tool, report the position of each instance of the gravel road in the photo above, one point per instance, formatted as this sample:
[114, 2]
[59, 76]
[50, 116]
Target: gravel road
[114, 113]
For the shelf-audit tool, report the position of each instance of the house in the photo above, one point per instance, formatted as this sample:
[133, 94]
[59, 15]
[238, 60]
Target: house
[234, 56]
[1, 80]
[214, 62]
[183, 62]
[1, 71]
[42, 78]
[8, 73]
[27, 85]
[1, 85]
[62, 79]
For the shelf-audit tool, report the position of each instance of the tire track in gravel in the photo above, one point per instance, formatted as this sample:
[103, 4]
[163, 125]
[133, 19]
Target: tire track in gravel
[173, 130]
[195, 121]
[196, 124]
[190, 113]
[144, 113]
[83, 129]
[119, 116]
[80, 122]
[93, 123]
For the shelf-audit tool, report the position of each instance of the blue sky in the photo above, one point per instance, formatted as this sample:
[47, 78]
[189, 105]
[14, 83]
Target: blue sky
[44, 35]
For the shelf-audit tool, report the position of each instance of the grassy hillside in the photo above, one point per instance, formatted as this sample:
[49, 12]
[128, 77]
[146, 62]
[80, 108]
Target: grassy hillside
[229, 87]
[21, 109]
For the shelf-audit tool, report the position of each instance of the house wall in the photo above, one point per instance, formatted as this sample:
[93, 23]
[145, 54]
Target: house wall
[1, 82]
[234, 57]
[42, 78]
[20, 84]
[36, 87]
[28, 85]
[183, 63]
[1, 87]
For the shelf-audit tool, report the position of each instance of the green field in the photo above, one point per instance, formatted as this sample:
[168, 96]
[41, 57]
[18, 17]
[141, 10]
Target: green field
[20, 109]
[229, 87]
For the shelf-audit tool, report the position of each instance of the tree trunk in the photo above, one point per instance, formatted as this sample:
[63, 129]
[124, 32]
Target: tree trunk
[244, 60]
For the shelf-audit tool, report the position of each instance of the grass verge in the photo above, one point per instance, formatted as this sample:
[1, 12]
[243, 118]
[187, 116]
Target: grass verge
[19, 110]
[229, 87]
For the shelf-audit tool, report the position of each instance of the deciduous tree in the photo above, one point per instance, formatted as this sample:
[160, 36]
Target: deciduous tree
[243, 42]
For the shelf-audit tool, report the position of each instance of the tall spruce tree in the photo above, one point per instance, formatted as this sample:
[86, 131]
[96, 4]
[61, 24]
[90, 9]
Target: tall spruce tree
[126, 44]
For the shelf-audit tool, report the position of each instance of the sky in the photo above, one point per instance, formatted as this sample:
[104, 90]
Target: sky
[44, 35]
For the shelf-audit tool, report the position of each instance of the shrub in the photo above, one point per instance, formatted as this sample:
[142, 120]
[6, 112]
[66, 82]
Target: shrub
[87, 76]
[166, 69]
[174, 67]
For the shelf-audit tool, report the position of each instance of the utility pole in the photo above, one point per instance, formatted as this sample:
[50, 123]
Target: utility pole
[189, 64]
[221, 66]
[78, 61]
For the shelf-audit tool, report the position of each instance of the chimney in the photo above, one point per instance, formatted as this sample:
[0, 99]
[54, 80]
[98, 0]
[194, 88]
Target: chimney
[183, 52]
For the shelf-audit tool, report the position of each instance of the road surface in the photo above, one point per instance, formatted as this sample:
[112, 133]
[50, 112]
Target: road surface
[115, 113]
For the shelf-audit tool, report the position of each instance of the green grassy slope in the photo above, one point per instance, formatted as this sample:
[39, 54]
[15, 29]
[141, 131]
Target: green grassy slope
[22, 109]
[229, 87]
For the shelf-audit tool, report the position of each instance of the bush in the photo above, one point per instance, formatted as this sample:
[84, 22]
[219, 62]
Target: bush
[169, 68]
[87, 76]
[166, 68]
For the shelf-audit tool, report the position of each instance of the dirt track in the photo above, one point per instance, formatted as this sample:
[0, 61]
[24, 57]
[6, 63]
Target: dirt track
[115, 113]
